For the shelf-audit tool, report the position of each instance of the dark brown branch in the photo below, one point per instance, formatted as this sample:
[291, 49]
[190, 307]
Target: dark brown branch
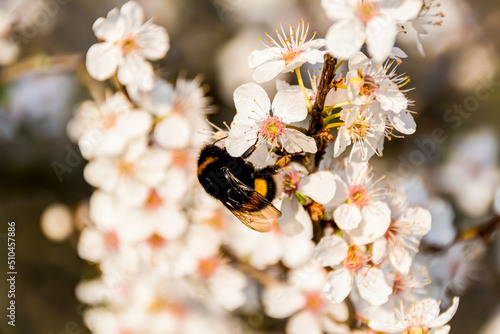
[316, 126]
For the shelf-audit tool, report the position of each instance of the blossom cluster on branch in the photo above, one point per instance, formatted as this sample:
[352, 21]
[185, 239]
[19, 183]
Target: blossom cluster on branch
[340, 259]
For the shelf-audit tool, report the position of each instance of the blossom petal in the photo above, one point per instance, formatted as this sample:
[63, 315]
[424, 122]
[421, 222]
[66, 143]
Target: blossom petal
[381, 36]
[425, 310]
[173, 132]
[446, 316]
[108, 144]
[341, 142]
[174, 225]
[319, 186]
[341, 194]
[159, 100]
[251, 98]
[313, 56]
[440, 330]
[400, 258]
[110, 28]
[372, 286]
[133, 69]
[405, 10]
[299, 248]
[227, 286]
[290, 105]
[376, 219]
[134, 124]
[102, 60]
[153, 41]
[240, 139]
[347, 216]
[288, 222]
[295, 141]
[419, 220]
[259, 57]
[338, 285]
[282, 301]
[303, 322]
[133, 15]
[268, 71]
[331, 250]
[339, 9]
[403, 122]
[358, 61]
[345, 37]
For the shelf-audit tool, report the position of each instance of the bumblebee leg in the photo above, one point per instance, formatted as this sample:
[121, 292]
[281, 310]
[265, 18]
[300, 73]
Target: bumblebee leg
[283, 161]
[250, 150]
[272, 170]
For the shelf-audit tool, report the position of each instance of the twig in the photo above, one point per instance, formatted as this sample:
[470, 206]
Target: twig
[260, 276]
[316, 126]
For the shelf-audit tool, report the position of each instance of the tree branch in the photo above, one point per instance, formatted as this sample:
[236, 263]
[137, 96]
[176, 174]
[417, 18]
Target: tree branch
[316, 126]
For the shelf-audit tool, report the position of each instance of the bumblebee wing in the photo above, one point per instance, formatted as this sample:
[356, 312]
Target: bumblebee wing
[252, 215]
[259, 221]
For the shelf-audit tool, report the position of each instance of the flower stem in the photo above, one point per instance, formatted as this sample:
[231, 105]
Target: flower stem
[334, 125]
[338, 64]
[301, 84]
[327, 120]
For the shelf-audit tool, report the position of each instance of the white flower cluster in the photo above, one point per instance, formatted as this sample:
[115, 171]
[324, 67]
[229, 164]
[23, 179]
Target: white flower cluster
[173, 260]
[152, 233]
[374, 232]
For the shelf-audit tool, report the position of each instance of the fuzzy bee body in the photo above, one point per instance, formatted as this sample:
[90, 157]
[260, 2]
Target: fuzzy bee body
[246, 191]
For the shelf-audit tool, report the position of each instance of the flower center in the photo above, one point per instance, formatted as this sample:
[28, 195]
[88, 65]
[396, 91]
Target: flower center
[272, 128]
[180, 105]
[398, 286]
[111, 241]
[160, 304]
[354, 261]
[125, 168]
[291, 183]
[180, 158]
[392, 231]
[366, 11]
[314, 302]
[156, 241]
[359, 128]
[358, 196]
[207, 267]
[154, 201]
[275, 227]
[128, 44]
[216, 221]
[416, 330]
[290, 55]
[109, 121]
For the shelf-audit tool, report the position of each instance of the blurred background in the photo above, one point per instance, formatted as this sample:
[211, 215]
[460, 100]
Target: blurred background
[43, 44]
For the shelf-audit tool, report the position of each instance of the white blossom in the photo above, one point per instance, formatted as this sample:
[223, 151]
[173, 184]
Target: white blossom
[358, 204]
[255, 125]
[105, 129]
[423, 315]
[375, 22]
[350, 264]
[127, 41]
[287, 54]
[403, 237]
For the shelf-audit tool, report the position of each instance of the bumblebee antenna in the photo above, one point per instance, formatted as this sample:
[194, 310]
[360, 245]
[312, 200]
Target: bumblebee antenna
[219, 140]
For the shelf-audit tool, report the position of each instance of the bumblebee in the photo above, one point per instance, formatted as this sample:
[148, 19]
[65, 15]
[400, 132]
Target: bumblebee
[246, 191]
